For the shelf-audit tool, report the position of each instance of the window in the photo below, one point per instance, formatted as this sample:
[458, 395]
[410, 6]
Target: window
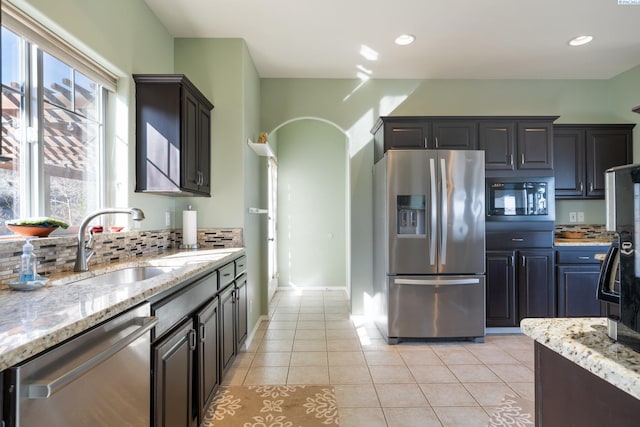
[51, 152]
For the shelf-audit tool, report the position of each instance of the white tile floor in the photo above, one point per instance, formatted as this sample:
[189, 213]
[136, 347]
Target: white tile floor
[310, 339]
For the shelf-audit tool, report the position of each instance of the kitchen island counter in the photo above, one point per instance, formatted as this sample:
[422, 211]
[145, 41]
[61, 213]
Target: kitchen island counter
[584, 341]
[32, 322]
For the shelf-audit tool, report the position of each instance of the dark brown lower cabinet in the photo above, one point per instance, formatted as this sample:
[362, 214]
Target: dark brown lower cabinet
[568, 395]
[577, 274]
[185, 367]
[577, 287]
[173, 370]
[520, 284]
[501, 289]
[207, 327]
[241, 310]
[536, 285]
[227, 329]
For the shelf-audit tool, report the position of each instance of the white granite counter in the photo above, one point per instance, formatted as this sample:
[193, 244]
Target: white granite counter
[31, 322]
[559, 241]
[584, 341]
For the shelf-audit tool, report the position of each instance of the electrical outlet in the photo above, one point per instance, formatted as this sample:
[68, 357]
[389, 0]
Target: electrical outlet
[580, 216]
[573, 217]
[167, 218]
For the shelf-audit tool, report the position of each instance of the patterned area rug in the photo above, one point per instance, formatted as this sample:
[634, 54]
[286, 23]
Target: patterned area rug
[513, 411]
[273, 406]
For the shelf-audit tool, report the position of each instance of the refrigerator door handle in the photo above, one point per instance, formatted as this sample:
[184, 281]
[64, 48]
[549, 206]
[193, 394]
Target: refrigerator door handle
[445, 213]
[433, 231]
[434, 282]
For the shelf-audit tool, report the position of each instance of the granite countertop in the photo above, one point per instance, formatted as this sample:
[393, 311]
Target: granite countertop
[584, 341]
[34, 321]
[560, 241]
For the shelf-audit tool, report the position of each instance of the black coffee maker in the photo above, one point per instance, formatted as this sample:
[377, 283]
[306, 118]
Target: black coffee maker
[619, 281]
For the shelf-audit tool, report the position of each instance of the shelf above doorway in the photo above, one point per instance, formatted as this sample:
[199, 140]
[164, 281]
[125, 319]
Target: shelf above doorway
[264, 150]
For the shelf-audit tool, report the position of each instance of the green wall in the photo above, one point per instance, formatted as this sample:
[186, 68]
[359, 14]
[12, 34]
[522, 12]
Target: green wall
[223, 70]
[312, 205]
[354, 107]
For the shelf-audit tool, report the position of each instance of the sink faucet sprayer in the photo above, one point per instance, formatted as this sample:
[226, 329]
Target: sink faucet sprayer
[85, 250]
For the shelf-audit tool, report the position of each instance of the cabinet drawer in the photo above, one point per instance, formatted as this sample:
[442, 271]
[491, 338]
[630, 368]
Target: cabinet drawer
[575, 256]
[241, 265]
[519, 239]
[226, 275]
[182, 304]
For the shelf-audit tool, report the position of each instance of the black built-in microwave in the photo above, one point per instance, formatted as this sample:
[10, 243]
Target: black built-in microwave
[520, 199]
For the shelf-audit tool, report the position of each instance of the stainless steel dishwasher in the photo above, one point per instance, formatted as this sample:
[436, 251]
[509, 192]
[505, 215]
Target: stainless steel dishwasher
[100, 378]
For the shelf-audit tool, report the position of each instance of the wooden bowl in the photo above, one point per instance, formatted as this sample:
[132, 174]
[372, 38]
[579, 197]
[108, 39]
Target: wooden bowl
[573, 234]
[31, 230]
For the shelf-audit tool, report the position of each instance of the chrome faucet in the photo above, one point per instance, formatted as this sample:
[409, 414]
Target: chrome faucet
[85, 250]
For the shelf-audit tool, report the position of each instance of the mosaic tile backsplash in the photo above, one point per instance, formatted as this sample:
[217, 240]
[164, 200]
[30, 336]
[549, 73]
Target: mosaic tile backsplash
[58, 254]
[591, 231]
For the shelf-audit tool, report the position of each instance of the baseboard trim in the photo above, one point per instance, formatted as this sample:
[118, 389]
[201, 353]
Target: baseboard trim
[302, 289]
[251, 335]
[498, 331]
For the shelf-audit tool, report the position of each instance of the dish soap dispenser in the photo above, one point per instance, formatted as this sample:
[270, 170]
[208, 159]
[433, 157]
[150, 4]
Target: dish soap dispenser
[28, 263]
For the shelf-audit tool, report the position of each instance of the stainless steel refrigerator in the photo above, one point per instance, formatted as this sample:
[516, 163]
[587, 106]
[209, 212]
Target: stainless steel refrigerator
[429, 244]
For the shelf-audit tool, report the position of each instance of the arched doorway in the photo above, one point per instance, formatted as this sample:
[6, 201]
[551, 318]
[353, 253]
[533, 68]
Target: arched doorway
[312, 237]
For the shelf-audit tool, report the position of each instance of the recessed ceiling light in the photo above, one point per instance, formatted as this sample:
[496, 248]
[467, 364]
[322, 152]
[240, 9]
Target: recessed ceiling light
[405, 39]
[580, 40]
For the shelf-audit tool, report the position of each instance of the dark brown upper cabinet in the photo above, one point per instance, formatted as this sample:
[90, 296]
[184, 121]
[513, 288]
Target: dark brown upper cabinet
[173, 136]
[409, 132]
[455, 134]
[517, 146]
[584, 152]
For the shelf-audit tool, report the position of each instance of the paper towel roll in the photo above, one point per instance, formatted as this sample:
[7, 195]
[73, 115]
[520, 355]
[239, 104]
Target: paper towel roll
[189, 228]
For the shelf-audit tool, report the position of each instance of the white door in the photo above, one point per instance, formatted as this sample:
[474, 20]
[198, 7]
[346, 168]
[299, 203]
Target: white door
[272, 225]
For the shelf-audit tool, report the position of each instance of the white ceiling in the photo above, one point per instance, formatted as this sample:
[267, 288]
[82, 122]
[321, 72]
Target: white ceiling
[478, 39]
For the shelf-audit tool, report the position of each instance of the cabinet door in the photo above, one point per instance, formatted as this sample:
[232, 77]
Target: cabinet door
[204, 151]
[190, 172]
[172, 378]
[208, 370]
[455, 134]
[241, 307]
[536, 287]
[569, 162]
[535, 145]
[406, 134]
[606, 148]
[227, 329]
[501, 292]
[577, 285]
[497, 139]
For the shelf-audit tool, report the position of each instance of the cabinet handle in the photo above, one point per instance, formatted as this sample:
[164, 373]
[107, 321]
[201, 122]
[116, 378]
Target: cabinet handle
[426, 142]
[591, 187]
[192, 339]
[203, 332]
[581, 186]
[511, 159]
[517, 239]
[522, 159]
[437, 142]
[524, 262]
[584, 257]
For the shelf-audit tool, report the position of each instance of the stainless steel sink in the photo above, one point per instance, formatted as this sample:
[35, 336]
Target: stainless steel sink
[127, 275]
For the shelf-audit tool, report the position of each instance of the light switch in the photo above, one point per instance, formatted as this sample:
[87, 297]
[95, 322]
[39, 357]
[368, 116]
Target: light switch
[580, 216]
[573, 217]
